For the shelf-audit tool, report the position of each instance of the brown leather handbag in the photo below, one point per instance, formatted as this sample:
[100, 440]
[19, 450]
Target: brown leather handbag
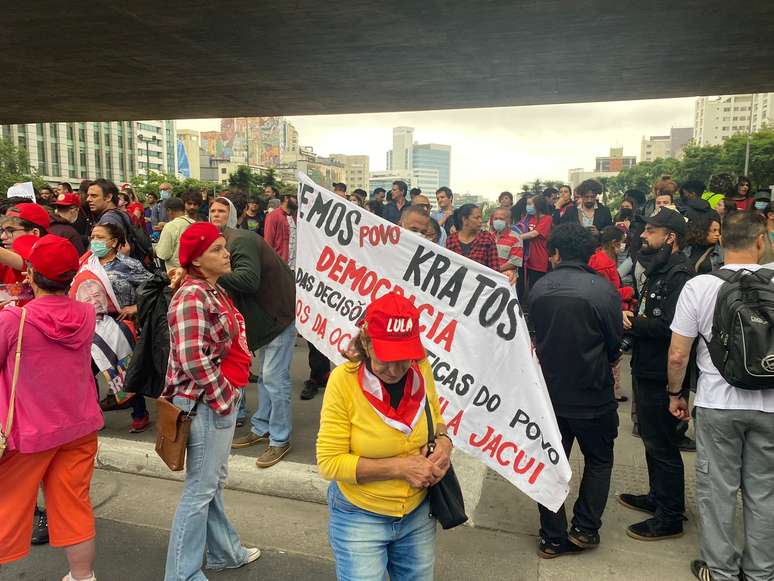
[173, 426]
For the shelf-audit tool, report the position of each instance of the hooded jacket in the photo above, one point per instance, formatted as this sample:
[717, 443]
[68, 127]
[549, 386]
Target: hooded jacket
[605, 266]
[261, 285]
[56, 401]
[61, 227]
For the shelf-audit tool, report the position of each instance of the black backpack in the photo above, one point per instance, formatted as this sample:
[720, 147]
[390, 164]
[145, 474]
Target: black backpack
[742, 344]
[139, 241]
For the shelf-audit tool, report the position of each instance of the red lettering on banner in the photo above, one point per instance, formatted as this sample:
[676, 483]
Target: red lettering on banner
[447, 336]
[491, 447]
[454, 425]
[503, 448]
[327, 256]
[492, 443]
[472, 441]
[337, 267]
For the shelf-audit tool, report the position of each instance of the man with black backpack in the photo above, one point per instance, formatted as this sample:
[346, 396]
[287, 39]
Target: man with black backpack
[731, 312]
[102, 197]
[666, 272]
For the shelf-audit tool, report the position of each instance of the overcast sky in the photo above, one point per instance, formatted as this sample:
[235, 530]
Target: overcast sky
[497, 149]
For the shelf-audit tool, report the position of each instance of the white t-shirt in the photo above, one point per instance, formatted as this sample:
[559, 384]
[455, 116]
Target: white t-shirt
[693, 317]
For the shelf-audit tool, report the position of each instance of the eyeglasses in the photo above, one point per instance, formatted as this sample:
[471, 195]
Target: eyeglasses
[10, 231]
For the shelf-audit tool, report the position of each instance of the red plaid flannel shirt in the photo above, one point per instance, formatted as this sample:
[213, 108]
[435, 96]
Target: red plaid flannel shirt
[483, 249]
[201, 330]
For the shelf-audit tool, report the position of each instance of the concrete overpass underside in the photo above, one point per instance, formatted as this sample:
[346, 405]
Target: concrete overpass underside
[171, 59]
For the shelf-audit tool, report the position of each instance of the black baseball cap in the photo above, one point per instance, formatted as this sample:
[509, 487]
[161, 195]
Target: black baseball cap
[340, 186]
[669, 219]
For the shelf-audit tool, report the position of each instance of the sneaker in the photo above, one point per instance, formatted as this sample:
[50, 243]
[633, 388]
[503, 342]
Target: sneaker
[139, 425]
[654, 530]
[40, 527]
[549, 550]
[701, 571]
[583, 539]
[641, 502]
[686, 444]
[109, 403]
[253, 554]
[251, 439]
[272, 455]
[310, 389]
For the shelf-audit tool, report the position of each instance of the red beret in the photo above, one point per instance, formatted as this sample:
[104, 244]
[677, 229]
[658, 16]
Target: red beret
[54, 257]
[33, 213]
[196, 239]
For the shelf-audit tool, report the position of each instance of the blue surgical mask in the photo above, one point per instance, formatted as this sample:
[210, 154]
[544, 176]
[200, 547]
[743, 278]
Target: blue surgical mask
[531, 210]
[99, 248]
[761, 205]
[498, 225]
[164, 194]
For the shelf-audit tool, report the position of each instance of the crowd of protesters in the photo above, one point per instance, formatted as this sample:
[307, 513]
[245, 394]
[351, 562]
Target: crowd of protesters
[174, 297]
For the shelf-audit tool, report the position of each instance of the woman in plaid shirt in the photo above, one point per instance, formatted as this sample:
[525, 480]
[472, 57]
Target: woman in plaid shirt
[469, 240]
[208, 364]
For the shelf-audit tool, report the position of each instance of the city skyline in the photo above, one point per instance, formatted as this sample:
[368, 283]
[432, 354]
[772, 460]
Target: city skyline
[497, 149]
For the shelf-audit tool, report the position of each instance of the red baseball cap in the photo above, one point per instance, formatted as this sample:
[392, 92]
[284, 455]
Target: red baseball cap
[23, 245]
[392, 324]
[68, 199]
[54, 257]
[33, 213]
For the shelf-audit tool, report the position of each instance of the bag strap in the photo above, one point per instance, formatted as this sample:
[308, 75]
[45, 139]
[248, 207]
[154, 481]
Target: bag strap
[430, 427]
[12, 402]
[702, 257]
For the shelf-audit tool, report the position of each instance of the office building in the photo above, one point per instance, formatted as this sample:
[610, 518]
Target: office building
[400, 158]
[384, 179]
[356, 170]
[615, 162]
[666, 146]
[322, 170]
[116, 150]
[433, 156]
[717, 118]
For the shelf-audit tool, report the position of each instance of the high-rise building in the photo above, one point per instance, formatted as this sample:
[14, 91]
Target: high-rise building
[666, 146]
[655, 147]
[433, 156]
[401, 157]
[384, 179]
[356, 170]
[116, 150]
[427, 180]
[717, 118]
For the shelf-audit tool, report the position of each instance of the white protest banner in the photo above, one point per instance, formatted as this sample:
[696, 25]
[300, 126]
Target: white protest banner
[493, 396]
[22, 190]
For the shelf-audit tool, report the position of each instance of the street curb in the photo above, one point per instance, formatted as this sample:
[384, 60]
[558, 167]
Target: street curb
[291, 480]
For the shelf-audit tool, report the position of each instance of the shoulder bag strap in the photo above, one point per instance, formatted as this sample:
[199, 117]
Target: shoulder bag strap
[702, 258]
[12, 401]
[430, 427]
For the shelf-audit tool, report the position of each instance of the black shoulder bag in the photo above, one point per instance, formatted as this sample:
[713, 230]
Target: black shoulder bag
[446, 502]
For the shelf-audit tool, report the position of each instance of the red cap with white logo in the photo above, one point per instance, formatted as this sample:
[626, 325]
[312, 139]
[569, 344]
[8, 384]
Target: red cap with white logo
[392, 324]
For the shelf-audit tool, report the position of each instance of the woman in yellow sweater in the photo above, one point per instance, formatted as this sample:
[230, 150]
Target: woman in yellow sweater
[373, 445]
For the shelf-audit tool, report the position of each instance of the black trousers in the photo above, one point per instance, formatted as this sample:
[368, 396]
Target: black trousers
[596, 438]
[319, 366]
[660, 434]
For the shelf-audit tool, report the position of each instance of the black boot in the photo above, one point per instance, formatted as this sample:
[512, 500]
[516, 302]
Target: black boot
[40, 528]
[655, 530]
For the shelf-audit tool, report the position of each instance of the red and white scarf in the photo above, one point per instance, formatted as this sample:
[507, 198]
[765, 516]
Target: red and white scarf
[411, 407]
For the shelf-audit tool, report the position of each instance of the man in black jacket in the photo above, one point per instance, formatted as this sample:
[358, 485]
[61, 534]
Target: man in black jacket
[666, 272]
[578, 330]
[589, 213]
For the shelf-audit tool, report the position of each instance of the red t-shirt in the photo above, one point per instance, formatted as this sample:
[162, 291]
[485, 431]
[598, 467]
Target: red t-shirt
[538, 248]
[236, 363]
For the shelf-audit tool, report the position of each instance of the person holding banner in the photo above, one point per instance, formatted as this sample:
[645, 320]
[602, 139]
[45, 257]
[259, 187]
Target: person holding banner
[578, 330]
[469, 240]
[372, 446]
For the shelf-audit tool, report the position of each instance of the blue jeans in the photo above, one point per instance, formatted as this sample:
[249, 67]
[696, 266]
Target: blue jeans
[274, 414]
[367, 545]
[200, 520]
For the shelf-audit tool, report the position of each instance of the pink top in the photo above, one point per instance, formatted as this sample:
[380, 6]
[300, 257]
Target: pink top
[56, 397]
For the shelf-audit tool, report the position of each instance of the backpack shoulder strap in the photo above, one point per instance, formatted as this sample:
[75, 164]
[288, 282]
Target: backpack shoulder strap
[725, 274]
[765, 274]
